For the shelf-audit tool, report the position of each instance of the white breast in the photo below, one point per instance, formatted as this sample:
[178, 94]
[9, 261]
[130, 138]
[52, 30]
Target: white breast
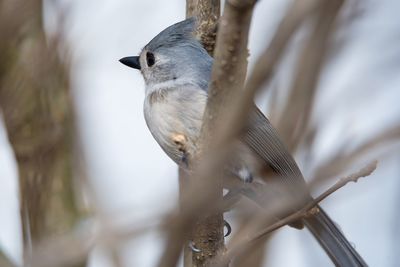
[174, 111]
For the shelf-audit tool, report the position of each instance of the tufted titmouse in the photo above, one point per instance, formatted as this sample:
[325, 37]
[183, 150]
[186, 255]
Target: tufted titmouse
[176, 70]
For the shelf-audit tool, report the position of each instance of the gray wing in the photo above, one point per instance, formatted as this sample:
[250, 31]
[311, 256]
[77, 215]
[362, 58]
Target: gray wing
[263, 139]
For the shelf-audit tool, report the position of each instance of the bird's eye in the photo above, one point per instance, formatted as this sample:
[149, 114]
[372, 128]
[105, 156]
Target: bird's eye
[150, 59]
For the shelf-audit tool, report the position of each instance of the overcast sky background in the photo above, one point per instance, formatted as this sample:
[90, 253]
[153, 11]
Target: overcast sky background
[134, 179]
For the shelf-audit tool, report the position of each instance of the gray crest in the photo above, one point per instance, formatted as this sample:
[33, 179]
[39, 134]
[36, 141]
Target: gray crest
[174, 34]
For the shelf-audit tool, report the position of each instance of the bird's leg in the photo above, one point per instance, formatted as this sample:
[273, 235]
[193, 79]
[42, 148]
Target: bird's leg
[193, 247]
[228, 228]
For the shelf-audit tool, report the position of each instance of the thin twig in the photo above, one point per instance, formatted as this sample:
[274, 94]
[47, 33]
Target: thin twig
[343, 160]
[246, 240]
[308, 209]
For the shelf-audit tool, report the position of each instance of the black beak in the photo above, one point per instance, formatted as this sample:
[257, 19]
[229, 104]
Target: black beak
[132, 62]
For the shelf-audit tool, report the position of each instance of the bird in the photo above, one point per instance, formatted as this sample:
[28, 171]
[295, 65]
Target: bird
[177, 70]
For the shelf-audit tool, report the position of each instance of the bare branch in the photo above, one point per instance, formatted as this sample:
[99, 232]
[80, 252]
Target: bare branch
[245, 239]
[205, 180]
[35, 100]
[205, 170]
[229, 69]
[299, 103]
[266, 64]
[75, 246]
[228, 75]
[64, 251]
[224, 133]
[207, 13]
[4, 261]
[341, 160]
[309, 208]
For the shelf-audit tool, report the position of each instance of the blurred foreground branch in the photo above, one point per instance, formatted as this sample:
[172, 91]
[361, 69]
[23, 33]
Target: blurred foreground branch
[300, 101]
[207, 233]
[4, 261]
[343, 160]
[228, 75]
[248, 237]
[225, 133]
[35, 100]
[309, 208]
[228, 70]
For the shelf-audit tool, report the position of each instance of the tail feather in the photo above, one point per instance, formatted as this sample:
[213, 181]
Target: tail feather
[335, 244]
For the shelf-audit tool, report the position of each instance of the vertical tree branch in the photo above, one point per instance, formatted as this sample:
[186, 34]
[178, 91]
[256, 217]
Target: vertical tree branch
[220, 137]
[265, 65]
[228, 75]
[35, 101]
[208, 232]
[207, 13]
[230, 64]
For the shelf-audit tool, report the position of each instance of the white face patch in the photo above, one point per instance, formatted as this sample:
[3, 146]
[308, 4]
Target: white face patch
[143, 65]
[150, 87]
[147, 72]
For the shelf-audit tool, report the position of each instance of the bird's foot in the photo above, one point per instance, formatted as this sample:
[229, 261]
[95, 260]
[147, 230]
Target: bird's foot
[228, 228]
[193, 247]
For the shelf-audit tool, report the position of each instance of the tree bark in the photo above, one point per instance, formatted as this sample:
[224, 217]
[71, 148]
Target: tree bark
[208, 232]
[229, 72]
[207, 13]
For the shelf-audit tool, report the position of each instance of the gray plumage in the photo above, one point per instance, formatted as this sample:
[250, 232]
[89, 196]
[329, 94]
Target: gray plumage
[176, 46]
[176, 84]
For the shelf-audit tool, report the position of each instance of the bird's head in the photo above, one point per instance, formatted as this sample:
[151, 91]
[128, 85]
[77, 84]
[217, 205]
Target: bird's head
[173, 56]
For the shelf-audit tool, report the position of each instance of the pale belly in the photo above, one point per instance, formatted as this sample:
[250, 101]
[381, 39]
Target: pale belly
[176, 115]
[180, 113]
